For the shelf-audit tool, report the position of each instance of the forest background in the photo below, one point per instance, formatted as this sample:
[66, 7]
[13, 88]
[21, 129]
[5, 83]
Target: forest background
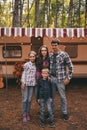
[43, 13]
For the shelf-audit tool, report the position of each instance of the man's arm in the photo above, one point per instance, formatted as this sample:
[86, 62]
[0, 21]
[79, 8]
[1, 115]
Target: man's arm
[70, 66]
[70, 69]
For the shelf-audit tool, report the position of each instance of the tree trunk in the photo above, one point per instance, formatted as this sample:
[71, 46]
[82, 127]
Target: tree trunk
[37, 13]
[21, 11]
[16, 17]
[48, 13]
[56, 15]
[79, 20]
[85, 13]
[28, 16]
[17, 14]
[63, 14]
[70, 13]
[43, 22]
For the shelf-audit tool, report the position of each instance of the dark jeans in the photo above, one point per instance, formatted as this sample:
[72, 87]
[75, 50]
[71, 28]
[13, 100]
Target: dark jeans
[53, 95]
[49, 109]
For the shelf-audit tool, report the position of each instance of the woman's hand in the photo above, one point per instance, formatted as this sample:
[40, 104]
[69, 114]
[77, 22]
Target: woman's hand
[23, 86]
[50, 99]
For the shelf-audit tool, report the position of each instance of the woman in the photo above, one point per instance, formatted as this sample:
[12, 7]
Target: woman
[28, 82]
[42, 60]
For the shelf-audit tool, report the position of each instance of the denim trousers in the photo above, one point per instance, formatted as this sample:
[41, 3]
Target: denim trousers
[53, 95]
[61, 89]
[46, 102]
[27, 97]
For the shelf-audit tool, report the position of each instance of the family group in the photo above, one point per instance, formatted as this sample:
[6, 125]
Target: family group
[44, 73]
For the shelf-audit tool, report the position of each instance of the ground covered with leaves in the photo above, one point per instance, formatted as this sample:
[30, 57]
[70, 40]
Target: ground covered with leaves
[11, 109]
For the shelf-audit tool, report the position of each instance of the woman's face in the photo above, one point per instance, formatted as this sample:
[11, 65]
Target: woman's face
[32, 58]
[43, 51]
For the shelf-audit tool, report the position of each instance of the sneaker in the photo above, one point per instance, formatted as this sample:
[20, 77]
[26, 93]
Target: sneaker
[52, 124]
[42, 124]
[28, 117]
[65, 117]
[24, 119]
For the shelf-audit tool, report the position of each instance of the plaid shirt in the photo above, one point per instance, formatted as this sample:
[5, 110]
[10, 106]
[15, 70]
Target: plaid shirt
[28, 75]
[63, 62]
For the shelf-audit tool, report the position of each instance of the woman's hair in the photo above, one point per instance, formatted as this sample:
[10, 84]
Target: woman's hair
[32, 52]
[39, 59]
[39, 52]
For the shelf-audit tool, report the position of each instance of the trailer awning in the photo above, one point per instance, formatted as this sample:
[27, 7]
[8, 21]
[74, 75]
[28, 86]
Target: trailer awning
[49, 32]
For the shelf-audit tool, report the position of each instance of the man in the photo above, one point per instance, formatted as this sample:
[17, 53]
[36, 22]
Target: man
[59, 62]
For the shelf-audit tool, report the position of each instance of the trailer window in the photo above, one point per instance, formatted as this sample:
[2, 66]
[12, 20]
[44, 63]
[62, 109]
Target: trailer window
[12, 51]
[72, 50]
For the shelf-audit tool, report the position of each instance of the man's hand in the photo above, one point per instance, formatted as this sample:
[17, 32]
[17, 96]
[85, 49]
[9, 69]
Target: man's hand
[66, 81]
[38, 101]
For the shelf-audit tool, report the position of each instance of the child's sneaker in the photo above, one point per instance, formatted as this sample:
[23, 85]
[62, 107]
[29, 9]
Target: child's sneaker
[42, 124]
[28, 117]
[52, 124]
[24, 119]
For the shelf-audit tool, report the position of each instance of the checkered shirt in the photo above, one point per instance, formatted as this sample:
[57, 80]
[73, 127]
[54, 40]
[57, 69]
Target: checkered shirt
[28, 75]
[63, 65]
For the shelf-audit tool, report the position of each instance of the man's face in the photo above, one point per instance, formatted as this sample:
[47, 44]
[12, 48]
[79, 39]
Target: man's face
[55, 47]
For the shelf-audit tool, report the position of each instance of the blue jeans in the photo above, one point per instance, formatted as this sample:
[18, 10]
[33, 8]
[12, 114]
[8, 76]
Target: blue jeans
[53, 95]
[49, 109]
[61, 89]
[26, 98]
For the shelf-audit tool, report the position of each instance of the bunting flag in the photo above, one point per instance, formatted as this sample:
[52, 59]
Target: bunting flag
[49, 32]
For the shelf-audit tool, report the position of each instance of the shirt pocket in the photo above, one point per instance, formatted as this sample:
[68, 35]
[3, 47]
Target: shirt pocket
[51, 63]
[60, 60]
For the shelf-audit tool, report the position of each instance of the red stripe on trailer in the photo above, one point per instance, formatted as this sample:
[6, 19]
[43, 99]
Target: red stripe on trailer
[23, 31]
[33, 31]
[85, 31]
[54, 32]
[64, 32]
[75, 32]
[12, 31]
[44, 32]
[2, 31]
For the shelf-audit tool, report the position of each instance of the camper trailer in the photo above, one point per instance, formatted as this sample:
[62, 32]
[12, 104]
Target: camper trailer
[16, 43]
